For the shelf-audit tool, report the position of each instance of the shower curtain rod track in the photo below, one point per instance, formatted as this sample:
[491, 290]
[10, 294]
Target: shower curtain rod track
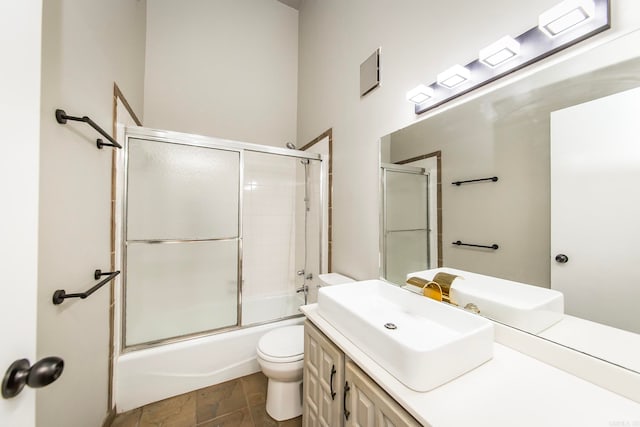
[62, 117]
[60, 295]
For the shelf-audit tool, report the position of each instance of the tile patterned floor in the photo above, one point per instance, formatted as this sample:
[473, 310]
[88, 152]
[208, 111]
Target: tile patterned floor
[235, 403]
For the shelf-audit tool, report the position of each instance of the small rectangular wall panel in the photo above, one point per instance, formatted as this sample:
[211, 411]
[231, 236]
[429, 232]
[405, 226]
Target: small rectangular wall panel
[370, 73]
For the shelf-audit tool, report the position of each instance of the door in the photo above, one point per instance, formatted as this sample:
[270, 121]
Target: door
[592, 195]
[20, 30]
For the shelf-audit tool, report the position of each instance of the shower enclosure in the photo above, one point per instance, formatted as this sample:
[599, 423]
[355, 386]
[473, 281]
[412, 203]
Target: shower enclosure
[217, 235]
[404, 221]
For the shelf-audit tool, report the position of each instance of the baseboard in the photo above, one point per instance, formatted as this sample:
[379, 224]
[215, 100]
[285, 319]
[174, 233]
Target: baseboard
[111, 415]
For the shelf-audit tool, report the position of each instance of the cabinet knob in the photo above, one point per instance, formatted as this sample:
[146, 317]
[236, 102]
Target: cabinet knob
[562, 258]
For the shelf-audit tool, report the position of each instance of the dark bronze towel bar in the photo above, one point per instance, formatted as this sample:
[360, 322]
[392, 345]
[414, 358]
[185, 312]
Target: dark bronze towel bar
[60, 295]
[62, 118]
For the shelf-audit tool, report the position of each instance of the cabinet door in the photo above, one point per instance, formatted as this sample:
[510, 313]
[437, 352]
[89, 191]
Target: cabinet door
[367, 405]
[323, 380]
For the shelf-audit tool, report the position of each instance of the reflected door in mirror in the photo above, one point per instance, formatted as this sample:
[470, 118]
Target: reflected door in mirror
[595, 208]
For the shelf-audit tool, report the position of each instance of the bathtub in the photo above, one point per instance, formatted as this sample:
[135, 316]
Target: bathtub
[153, 374]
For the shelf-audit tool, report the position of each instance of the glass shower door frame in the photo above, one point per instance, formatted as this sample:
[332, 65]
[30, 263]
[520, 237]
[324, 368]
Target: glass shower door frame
[124, 240]
[204, 142]
[384, 169]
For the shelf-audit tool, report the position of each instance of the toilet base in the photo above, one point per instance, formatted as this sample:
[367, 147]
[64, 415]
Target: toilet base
[284, 399]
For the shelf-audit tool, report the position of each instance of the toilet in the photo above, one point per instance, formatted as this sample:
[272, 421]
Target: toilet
[280, 356]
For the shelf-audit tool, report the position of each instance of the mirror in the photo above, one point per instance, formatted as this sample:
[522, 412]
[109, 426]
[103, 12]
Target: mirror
[559, 137]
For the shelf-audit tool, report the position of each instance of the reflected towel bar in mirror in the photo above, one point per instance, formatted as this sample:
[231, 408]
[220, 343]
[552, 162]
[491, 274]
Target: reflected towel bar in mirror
[492, 179]
[459, 243]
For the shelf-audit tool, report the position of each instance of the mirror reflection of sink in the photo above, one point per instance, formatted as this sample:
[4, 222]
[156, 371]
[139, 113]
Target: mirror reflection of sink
[530, 308]
[421, 342]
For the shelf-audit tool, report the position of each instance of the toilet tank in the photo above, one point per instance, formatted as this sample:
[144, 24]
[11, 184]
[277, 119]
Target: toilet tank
[329, 279]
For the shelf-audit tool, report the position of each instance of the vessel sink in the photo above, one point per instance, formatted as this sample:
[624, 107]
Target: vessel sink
[421, 342]
[527, 307]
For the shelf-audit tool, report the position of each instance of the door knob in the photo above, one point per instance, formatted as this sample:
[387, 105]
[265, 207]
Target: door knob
[21, 373]
[562, 258]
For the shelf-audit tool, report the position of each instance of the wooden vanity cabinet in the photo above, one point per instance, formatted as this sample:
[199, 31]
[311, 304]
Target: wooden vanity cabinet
[338, 393]
[368, 405]
[323, 380]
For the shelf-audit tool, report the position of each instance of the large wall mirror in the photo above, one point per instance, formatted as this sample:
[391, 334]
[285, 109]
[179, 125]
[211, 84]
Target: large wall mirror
[564, 142]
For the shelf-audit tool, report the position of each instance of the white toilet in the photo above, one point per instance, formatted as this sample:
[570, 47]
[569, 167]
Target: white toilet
[280, 356]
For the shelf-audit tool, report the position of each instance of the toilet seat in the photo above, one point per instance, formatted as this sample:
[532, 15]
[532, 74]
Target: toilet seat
[282, 345]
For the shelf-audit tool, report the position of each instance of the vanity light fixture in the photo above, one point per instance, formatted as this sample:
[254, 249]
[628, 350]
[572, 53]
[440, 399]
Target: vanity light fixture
[564, 25]
[454, 76]
[565, 16]
[419, 94]
[499, 52]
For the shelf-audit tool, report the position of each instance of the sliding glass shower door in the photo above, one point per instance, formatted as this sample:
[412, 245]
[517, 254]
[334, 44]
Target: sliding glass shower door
[182, 240]
[405, 221]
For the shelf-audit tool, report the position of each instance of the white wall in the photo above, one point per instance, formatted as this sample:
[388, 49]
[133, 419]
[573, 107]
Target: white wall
[224, 68]
[418, 40]
[87, 46]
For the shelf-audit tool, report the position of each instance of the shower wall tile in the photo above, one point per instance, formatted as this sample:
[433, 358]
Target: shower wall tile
[269, 225]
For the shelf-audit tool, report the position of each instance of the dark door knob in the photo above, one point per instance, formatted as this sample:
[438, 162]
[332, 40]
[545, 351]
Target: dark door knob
[562, 258]
[21, 373]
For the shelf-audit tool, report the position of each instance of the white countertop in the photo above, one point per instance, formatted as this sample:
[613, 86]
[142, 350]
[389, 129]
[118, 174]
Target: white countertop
[511, 390]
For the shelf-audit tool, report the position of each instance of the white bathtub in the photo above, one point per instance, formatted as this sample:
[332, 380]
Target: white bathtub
[146, 376]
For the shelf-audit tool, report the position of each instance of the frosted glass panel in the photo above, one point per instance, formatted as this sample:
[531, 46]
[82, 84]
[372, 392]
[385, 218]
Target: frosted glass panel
[406, 201]
[181, 192]
[406, 251]
[175, 289]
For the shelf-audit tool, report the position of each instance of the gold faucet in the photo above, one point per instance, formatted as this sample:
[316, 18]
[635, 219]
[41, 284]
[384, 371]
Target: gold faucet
[438, 289]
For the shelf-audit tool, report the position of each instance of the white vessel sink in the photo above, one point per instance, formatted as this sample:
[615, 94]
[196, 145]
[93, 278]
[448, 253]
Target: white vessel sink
[432, 343]
[530, 308]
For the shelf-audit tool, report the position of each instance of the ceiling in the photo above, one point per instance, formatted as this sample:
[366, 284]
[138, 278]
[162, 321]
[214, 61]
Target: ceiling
[291, 3]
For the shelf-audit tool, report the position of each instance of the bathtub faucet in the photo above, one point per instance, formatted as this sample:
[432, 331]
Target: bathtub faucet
[301, 273]
[303, 288]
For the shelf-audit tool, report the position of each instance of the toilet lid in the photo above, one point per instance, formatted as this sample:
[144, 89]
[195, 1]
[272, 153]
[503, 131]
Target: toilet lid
[283, 342]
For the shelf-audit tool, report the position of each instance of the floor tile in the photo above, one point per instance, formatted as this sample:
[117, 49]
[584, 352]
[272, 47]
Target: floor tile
[219, 400]
[261, 418]
[179, 411]
[255, 388]
[127, 419]
[240, 418]
[294, 422]
[237, 403]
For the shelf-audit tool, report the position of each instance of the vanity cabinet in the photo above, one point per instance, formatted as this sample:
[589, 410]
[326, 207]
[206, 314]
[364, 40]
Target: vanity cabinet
[337, 393]
[367, 405]
[323, 381]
